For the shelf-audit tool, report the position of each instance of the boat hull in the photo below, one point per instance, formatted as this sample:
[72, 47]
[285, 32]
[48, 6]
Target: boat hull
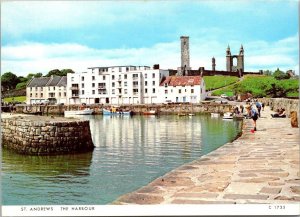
[79, 112]
[108, 112]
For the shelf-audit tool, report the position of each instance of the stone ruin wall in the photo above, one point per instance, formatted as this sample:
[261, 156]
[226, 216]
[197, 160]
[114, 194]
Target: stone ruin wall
[46, 137]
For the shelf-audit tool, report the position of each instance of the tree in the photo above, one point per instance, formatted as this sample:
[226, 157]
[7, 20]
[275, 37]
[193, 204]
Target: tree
[64, 72]
[9, 80]
[267, 72]
[279, 75]
[54, 72]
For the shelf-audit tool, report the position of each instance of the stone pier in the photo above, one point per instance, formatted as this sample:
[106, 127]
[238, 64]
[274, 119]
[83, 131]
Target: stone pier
[41, 135]
[259, 167]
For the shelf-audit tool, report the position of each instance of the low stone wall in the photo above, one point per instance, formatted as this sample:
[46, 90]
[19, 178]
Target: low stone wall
[278, 103]
[137, 109]
[46, 136]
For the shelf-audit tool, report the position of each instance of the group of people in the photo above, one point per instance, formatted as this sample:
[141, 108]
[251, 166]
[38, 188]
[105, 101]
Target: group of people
[280, 113]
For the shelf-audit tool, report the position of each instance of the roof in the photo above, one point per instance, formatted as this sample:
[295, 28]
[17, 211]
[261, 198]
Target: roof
[38, 82]
[62, 82]
[181, 81]
[48, 81]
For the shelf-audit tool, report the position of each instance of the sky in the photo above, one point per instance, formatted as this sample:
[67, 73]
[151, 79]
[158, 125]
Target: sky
[38, 36]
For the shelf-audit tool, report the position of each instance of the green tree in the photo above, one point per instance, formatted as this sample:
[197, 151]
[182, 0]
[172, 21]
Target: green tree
[54, 72]
[280, 75]
[64, 72]
[9, 81]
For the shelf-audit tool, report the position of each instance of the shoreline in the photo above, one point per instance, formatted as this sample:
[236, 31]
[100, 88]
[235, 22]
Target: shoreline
[260, 167]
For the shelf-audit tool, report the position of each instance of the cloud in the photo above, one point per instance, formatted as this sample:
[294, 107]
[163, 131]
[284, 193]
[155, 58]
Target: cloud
[38, 57]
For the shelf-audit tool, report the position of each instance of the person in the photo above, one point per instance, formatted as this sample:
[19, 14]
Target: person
[242, 108]
[258, 106]
[254, 115]
[279, 113]
[11, 108]
[263, 106]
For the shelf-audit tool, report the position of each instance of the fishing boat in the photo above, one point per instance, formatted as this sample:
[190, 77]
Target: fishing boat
[151, 112]
[228, 115]
[86, 111]
[115, 112]
[214, 115]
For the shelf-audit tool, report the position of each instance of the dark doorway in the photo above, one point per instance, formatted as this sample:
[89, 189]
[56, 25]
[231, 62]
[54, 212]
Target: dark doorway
[107, 100]
[97, 100]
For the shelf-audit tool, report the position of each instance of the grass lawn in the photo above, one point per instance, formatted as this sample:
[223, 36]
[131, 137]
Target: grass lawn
[15, 99]
[217, 81]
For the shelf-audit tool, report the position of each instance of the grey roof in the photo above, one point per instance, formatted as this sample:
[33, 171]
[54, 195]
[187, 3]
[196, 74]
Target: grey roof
[54, 81]
[62, 82]
[38, 82]
[48, 81]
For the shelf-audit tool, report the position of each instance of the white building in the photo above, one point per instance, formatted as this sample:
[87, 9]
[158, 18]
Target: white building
[116, 85]
[47, 89]
[182, 89]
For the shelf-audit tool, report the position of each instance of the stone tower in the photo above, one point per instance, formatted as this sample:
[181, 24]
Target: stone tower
[235, 63]
[213, 63]
[185, 56]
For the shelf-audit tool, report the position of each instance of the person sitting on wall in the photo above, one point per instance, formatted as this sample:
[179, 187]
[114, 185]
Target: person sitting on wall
[279, 114]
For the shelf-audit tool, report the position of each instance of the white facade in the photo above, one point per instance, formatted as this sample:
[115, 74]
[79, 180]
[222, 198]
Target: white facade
[115, 85]
[182, 89]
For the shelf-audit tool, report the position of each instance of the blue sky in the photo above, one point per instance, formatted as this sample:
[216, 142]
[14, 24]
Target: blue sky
[39, 36]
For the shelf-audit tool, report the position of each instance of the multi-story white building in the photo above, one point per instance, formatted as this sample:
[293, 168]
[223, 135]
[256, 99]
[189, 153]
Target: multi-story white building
[116, 85]
[47, 89]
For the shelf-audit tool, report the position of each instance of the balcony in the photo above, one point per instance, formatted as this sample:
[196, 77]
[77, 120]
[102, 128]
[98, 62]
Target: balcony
[75, 95]
[101, 87]
[74, 88]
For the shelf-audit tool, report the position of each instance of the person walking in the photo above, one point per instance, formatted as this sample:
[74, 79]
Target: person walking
[258, 106]
[254, 115]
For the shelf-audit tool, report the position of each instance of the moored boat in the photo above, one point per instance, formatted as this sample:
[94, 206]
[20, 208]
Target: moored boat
[86, 111]
[228, 115]
[115, 112]
[151, 112]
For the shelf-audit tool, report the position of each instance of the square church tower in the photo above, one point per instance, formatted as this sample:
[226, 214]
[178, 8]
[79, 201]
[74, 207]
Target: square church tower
[185, 57]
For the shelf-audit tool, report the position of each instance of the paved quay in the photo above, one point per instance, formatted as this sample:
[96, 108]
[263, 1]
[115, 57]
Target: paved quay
[260, 167]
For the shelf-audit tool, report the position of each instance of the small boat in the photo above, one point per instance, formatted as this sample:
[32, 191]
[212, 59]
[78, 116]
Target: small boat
[86, 111]
[191, 114]
[115, 112]
[215, 115]
[228, 115]
[181, 114]
[151, 112]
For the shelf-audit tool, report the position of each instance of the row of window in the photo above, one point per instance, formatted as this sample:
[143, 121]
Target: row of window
[51, 95]
[113, 77]
[41, 88]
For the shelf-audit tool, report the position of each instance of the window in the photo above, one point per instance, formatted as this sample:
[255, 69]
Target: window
[72, 78]
[113, 91]
[153, 75]
[146, 90]
[82, 78]
[125, 76]
[125, 83]
[36, 88]
[42, 95]
[65, 94]
[103, 77]
[125, 91]
[93, 92]
[166, 84]
[59, 94]
[146, 83]
[82, 92]
[82, 85]
[120, 77]
[153, 90]
[127, 69]
[36, 95]
[135, 83]
[192, 90]
[145, 75]
[93, 84]
[49, 88]
[93, 78]
[113, 77]
[184, 90]
[179, 91]
[113, 84]
[31, 89]
[41, 88]
[53, 88]
[31, 95]
[166, 91]
[120, 69]
[135, 91]
[135, 76]
[171, 90]
[153, 83]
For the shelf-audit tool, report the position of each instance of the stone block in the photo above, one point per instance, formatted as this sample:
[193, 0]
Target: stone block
[267, 190]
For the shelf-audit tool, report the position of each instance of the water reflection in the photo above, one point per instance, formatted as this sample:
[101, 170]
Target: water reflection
[130, 152]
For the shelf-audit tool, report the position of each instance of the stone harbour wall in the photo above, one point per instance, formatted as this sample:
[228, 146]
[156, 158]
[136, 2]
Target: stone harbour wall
[278, 103]
[43, 136]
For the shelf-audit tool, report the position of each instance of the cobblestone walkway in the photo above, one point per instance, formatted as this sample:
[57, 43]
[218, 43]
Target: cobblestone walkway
[260, 167]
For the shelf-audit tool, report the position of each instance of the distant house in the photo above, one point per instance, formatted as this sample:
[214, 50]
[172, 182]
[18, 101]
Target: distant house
[182, 89]
[47, 89]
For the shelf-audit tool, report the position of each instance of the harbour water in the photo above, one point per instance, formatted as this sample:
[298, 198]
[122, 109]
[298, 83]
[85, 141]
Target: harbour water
[130, 152]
